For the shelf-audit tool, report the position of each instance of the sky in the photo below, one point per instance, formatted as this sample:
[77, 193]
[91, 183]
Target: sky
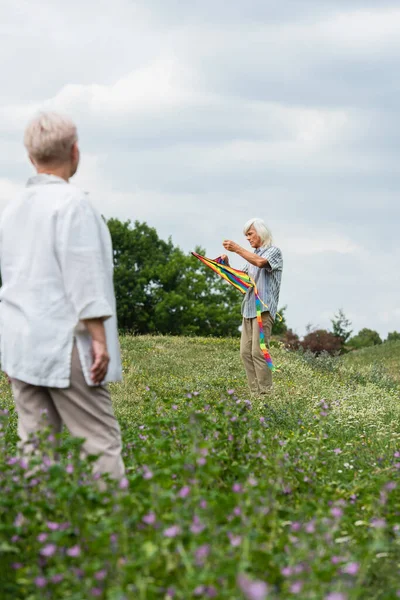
[197, 116]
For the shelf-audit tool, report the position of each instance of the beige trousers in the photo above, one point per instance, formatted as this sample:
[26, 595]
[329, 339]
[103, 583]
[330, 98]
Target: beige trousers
[86, 412]
[258, 374]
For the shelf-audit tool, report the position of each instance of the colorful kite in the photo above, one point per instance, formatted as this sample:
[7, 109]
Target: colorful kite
[242, 282]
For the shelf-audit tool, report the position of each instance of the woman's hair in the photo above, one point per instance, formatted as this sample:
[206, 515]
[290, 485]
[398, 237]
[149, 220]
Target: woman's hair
[261, 229]
[49, 138]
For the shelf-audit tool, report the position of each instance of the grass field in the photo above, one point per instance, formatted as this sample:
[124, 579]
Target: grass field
[386, 355]
[226, 496]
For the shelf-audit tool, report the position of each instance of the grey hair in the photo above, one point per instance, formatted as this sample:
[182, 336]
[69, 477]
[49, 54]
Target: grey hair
[49, 138]
[261, 229]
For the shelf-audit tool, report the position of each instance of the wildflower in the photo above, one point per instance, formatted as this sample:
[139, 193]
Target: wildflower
[48, 550]
[296, 526]
[235, 540]
[40, 582]
[336, 512]
[351, 568]
[100, 575]
[52, 526]
[287, 571]
[203, 504]
[147, 474]
[336, 596]
[184, 492]
[42, 537]
[17, 566]
[149, 519]
[252, 590]
[201, 554]
[197, 526]
[296, 587]
[19, 520]
[172, 531]
[230, 392]
[74, 551]
[123, 484]
[57, 578]
[201, 461]
[378, 523]
[237, 488]
[337, 451]
[69, 469]
[97, 592]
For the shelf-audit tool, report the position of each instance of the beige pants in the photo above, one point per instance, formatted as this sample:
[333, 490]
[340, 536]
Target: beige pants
[258, 374]
[86, 412]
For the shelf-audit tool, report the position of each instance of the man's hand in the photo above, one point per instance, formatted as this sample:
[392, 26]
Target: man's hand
[101, 360]
[231, 246]
[101, 357]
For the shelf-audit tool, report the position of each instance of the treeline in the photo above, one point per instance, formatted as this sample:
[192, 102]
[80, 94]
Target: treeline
[162, 290]
[338, 340]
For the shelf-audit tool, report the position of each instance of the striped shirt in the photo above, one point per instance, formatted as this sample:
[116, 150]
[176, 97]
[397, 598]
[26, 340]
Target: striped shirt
[268, 282]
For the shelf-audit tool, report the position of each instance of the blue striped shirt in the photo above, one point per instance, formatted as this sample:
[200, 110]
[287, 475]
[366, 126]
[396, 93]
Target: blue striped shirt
[268, 282]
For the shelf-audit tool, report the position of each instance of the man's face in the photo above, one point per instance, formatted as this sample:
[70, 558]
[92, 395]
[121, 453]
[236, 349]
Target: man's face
[253, 238]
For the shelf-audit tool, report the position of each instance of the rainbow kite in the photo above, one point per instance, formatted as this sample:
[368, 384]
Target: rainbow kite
[242, 282]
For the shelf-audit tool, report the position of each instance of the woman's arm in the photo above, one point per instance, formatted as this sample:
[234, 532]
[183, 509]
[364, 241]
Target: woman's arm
[254, 259]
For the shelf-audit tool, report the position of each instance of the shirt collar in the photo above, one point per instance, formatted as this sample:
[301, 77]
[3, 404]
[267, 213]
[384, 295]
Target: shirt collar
[44, 179]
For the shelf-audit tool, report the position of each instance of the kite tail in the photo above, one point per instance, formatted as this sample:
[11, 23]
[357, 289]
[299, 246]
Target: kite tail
[263, 346]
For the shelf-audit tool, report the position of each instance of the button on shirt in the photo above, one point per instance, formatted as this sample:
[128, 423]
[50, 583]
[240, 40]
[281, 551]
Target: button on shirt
[57, 268]
[268, 282]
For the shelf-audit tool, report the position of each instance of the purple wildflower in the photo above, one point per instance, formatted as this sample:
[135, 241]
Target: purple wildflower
[57, 578]
[196, 526]
[296, 587]
[351, 568]
[235, 540]
[69, 469]
[48, 550]
[52, 526]
[96, 592]
[201, 554]
[40, 582]
[337, 451]
[336, 596]
[201, 461]
[253, 590]
[100, 575]
[149, 519]
[237, 488]
[172, 531]
[230, 392]
[74, 551]
[378, 523]
[336, 512]
[42, 537]
[124, 483]
[184, 492]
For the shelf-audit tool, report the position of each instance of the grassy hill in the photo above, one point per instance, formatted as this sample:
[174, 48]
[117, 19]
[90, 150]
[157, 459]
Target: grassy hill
[226, 496]
[385, 355]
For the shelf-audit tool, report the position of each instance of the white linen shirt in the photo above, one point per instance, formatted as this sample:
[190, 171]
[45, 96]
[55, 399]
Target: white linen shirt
[56, 263]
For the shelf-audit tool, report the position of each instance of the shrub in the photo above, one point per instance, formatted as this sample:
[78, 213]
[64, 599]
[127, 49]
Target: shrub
[366, 337]
[321, 341]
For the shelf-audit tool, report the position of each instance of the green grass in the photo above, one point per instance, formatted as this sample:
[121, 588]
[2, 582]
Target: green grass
[300, 493]
[385, 355]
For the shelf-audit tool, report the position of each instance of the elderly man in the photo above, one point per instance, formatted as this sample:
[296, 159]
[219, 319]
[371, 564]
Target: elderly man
[265, 266]
[59, 340]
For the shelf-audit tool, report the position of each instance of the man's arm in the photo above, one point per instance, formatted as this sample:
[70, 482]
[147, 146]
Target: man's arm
[254, 259]
[101, 357]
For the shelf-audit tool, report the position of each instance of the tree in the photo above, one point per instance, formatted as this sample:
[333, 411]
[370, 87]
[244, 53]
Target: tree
[393, 336]
[321, 341]
[365, 338]
[159, 289]
[341, 327]
[280, 327]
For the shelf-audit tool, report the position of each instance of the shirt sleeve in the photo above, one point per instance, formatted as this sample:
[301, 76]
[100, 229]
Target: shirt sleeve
[80, 254]
[274, 258]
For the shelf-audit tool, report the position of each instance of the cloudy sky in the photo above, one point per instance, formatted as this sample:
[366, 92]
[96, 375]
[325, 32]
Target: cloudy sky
[195, 116]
